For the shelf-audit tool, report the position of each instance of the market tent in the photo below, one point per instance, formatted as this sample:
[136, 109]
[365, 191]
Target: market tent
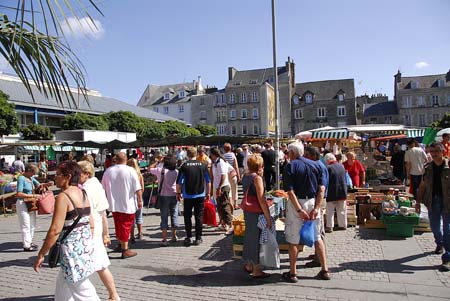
[388, 137]
[413, 133]
[331, 134]
[303, 135]
[443, 131]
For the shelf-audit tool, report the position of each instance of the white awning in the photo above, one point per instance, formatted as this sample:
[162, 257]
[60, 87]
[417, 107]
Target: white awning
[331, 134]
[415, 133]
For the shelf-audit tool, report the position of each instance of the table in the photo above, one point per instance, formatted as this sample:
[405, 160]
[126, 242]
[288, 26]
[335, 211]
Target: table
[5, 198]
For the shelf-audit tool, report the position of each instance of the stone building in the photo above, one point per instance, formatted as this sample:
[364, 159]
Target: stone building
[381, 113]
[204, 105]
[422, 100]
[366, 101]
[323, 103]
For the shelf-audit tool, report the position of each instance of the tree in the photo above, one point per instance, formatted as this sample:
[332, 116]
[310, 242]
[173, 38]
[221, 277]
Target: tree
[9, 123]
[36, 132]
[84, 121]
[43, 55]
[443, 123]
[124, 121]
[206, 130]
[179, 129]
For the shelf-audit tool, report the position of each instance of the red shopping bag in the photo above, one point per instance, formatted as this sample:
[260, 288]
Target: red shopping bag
[209, 213]
[46, 203]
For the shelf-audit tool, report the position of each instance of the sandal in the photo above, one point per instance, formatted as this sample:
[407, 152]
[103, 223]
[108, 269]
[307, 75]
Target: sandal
[262, 276]
[248, 270]
[323, 275]
[292, 278]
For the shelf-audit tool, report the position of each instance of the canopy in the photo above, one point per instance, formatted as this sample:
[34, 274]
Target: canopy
[303, 135]
[331, 134]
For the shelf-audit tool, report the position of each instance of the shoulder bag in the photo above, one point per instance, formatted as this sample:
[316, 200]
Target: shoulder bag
[158, 199]
[250, 203]
[55, 251]
[31, 203]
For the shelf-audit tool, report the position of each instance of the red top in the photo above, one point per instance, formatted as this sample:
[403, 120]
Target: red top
[354, 171]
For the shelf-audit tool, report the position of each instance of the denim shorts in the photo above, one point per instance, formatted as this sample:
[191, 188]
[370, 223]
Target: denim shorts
[138, 219]
[168, 207]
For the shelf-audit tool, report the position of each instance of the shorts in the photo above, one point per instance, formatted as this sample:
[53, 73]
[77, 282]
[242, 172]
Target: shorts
[294, 223]
[123, 223]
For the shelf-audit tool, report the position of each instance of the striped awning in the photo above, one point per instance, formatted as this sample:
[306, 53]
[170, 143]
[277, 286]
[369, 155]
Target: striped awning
[56, 148]
[415, 133]
[331, 134]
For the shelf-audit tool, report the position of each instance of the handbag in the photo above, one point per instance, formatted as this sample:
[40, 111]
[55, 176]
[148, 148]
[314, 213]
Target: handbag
[158, 199]
[46, 204]
[250, 203]
[55, 251]
[32, 204]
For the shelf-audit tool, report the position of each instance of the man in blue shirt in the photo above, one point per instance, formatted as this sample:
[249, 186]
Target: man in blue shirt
[303, 182]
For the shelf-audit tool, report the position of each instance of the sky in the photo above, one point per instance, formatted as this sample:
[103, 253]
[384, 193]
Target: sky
[142, 42]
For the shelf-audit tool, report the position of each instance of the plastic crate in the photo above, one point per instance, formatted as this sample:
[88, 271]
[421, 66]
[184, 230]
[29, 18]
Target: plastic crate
[400, 230]
[404, 204]
[400, 219]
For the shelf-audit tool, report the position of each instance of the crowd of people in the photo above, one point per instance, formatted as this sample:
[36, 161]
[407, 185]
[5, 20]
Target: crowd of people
[313, 180]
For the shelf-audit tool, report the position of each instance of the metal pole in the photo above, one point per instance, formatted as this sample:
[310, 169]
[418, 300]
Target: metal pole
[275, 71]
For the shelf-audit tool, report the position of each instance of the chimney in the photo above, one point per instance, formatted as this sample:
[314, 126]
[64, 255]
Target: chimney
[398, 77]
[231, 73]
[447, 76]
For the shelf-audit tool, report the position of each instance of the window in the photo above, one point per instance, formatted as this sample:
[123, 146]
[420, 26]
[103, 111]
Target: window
[166, 110]
[166, 95]
[341, 97]
[440, 83]
[243, 97]
[255, 129]
[298, 114]
[221, 129]
[244, 129]
[414, 84]
[255, 96]
[321, 112]
[421, 101]
[253, 82]
[407, 120]
[295, 100]
[237, 83]
[388, 119]
[373, 120]
[407, 102]
[308, 98]
[436, 117]
[232, 114]
[271, 79]
[435, 100]
[341, 111]
[202, 115]
[232, 98]
[181, 94]
[180, 108]
[223, 116]
[216, 101]
[218, 114]
[244, 114]
[222, 98]
[255, 113]
[233, 130]
[155, 109]
[202, 101]
[421, 119]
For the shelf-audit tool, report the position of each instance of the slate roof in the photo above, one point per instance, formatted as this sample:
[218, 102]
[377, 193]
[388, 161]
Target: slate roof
[154, 94]
[98, 104]
[327, 89]
[252, 78]
[380, 109]
[424, 82]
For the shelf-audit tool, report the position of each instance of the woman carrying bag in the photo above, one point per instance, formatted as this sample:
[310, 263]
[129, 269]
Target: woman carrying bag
[26, 205]
[253, 205]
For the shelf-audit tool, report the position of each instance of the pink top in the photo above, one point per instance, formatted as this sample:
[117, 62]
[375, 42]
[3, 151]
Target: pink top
[170, 179]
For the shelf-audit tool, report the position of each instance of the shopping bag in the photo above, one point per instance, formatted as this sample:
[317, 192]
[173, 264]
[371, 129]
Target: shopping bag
[209, 214]
[308, 234]
[46, 203]
[269, 254]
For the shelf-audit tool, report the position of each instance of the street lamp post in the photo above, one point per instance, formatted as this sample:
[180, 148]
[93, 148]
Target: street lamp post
[277, 107]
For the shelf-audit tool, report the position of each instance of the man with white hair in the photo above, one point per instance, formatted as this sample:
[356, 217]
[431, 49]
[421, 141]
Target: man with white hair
[303, 181]
[337, 194]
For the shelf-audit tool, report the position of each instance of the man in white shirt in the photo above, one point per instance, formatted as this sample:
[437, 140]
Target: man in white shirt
[124, 193]
[221, 186]
[245, 153]
[415, 159]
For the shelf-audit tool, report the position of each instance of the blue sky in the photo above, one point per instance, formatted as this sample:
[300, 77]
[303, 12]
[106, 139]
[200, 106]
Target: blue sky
[170, 41]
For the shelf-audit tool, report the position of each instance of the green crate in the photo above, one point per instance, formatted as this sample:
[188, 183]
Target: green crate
[400, 219]
[405, 204]
[400, 230]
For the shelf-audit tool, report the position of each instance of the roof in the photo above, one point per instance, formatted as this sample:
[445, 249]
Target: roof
[425, 81]
[380, 109]
[253, 77]
[97, 104]
[154, 94]
[327, 89]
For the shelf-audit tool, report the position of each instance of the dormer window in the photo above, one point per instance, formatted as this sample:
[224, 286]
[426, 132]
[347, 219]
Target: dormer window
[440, 83]
[308, 98]
[252, 82]
[167, 96]
[295, 100]
[414, 84]
[237, 83]
[182, 94]
[341, 97]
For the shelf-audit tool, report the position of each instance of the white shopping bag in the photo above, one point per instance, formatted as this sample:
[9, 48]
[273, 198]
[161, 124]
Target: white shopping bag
[269, 254]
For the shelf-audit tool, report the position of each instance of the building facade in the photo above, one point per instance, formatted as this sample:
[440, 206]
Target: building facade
[323, 103]
[365, 101]
[422, 100]
[204, 105]
[381, 113]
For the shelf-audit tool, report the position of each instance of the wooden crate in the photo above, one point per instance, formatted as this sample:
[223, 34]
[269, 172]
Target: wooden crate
[374, 224]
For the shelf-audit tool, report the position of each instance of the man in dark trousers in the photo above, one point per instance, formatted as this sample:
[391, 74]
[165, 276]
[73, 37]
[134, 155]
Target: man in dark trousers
[270, 161]
[193, 184]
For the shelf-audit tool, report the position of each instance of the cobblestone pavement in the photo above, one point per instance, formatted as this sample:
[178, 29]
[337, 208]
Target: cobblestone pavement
[365, 265]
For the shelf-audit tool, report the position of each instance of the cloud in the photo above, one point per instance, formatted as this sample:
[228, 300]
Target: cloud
[421, 65]
[82, 28]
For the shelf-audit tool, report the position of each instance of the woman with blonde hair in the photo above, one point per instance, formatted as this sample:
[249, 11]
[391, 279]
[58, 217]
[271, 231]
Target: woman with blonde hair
[252, 184]
[138, 220]
[99, 203]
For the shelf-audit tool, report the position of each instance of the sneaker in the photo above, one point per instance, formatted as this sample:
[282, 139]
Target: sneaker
[128, 254]
[439, 250]
[445, 267]
[229, 230]
[174, 238]
[198, 242]
[187, 242]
